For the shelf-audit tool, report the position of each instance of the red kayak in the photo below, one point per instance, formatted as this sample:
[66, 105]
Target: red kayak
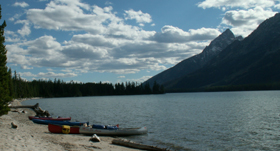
[50, 118]
[58, 129]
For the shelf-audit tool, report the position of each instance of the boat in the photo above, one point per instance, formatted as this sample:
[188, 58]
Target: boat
[50, 118]
[113, 131]
[46, 122]
[59, 129]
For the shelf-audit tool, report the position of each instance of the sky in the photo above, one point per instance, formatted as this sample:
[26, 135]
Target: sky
[116, 41]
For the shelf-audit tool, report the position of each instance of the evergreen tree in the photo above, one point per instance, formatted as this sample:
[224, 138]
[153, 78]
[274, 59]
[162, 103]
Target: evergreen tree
[156, 88]
[11, 83]
[4, 74]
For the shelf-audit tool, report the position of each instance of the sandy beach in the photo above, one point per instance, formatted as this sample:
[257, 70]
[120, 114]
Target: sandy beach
[29, 136]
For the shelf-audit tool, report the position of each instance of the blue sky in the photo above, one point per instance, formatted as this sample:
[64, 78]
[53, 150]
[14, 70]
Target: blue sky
[118, 40]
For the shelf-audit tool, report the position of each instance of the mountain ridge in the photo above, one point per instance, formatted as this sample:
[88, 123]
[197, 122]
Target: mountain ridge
[253, 60]
[195, 62]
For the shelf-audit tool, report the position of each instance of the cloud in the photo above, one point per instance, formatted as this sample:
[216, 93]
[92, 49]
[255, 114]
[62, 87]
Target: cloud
[277, 6]
[105, 44]
[43, 51]
[43, 47]
[140, 80]
[108, 3]
[20, 4]
[26, 67]
[56, 75]
[48, 75]
[94, 40]
[139, 16]
[67, 70]
[68, 16]
[170, 34]
[25, 30]
[236, 3]
[84, 51]
[243, 22]
[16, 16]
[121, 77]
[11, 36]
[75, 16]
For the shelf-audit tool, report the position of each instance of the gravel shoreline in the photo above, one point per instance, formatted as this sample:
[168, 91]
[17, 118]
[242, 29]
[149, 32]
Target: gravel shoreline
[29, 136]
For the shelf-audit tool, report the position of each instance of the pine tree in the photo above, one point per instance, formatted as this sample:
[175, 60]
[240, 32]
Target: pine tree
[4, 75]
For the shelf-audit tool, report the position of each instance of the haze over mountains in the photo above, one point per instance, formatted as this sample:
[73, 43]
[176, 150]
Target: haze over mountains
[229, 61]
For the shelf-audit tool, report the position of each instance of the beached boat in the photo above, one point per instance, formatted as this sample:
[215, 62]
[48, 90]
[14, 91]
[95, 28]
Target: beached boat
[113, 131]
[59, 129]
[58, 122]
[50, 118]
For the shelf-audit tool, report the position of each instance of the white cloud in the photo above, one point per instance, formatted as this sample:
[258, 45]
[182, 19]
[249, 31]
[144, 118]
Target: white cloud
[25, 30]
[243, 22]
[277, 6]
[170, 34]
[27, 74]
[16, 16]
[139, 16]
[11, 36]
[68, 16]
[107, 44]
[48, 75]
[67, 70]
[44, 46]
[20, 4]
[140, 80]
[50, 69]
[26, 67]
[108, 3]
[56, 75]
[121, 77]
[84, 51]
[94, 40]
[236, 3]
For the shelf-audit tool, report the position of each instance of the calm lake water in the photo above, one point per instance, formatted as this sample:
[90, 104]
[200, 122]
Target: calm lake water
[184, 121]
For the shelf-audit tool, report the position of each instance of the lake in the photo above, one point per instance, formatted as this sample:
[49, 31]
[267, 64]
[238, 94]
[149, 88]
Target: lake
[183, 121]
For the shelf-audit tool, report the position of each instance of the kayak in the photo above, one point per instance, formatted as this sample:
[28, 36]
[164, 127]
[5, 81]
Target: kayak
[58, 122]
[113, 131]
[50, 118]
[58, 129]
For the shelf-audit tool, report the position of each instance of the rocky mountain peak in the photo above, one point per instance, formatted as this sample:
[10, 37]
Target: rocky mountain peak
[195, 62]
[219, 43]
[252, 61]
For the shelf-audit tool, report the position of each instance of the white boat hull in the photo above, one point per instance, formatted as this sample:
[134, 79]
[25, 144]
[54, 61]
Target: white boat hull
[116, 132]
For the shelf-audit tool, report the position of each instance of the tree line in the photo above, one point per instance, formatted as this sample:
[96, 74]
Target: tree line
[58, 88]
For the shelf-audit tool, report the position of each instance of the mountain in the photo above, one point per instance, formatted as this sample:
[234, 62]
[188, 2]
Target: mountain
[195, 62]
[254, 60]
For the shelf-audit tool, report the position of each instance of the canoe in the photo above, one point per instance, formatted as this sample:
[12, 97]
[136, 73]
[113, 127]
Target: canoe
[58, 129]
[50, 118]
[58, 122]
[113, 132]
